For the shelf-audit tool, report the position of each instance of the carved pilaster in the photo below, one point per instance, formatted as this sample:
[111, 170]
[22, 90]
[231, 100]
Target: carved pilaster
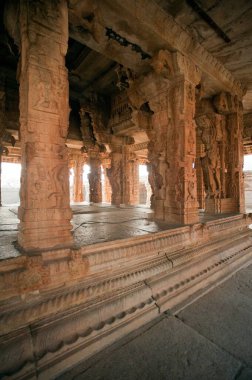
[44, 210]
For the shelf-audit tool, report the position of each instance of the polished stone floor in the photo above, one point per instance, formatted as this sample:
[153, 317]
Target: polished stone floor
[92, 224]
[211, 339]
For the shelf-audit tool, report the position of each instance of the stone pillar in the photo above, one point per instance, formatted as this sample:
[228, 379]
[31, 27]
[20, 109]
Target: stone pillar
[78, 195]
[235, 180]
[130, 177]
[199, 172]
[211, 139]
[44, 210]
[135, 176]
[115, 177]
[220, 126]
[106, 185]
[95, 186]
[170, 91]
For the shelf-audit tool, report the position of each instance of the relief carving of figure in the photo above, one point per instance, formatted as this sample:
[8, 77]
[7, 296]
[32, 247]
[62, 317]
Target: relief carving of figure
[43, 90]
[210, 158]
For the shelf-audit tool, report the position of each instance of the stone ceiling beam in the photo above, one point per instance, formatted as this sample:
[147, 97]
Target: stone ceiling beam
[149, 15]
[143, 22]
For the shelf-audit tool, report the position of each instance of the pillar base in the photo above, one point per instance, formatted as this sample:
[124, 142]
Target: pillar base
[44, 229]
[178, 215]
[221, 206]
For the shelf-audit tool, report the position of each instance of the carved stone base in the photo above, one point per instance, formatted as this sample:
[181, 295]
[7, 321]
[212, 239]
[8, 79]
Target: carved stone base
[71, 304]
[44, 229]
[176, 214]
[221, 206]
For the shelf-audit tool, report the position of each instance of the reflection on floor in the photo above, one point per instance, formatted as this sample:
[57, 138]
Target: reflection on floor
[93, 224]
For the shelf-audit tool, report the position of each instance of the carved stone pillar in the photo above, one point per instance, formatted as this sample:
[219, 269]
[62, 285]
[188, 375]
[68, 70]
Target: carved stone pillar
[94, 177]
[220, 130]
[106, 164]
[78, 194]
[170, 92]
[230, 106]
[44, 210]
[199, 171]
[135, 182]
[130, 178]
[115, 177]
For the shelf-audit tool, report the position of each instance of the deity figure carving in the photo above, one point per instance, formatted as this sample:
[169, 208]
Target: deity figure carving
[210, 158]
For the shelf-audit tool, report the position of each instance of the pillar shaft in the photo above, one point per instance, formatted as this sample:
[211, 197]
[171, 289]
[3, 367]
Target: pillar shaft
[220, 125]
[106, 185]
[236, 184]
[78, 194]
[115, 177]
[94, 177]
[169, 91]
[130, 178]
[173, 156]
[44, 210]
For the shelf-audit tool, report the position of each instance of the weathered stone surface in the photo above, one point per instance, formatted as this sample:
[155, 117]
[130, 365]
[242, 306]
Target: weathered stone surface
[139, 84]
[169, 349]
[229, 312]
[44, 210]
[220, 131]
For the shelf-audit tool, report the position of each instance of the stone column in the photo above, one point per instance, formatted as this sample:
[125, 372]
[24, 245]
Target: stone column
[44, 210]
[78, 195]
[199, 172]
[135, 176]
[115, 177]
[130, 177]
[231, 106]
[170, 91]
[220, 128]
[106, 185]
[95, 186]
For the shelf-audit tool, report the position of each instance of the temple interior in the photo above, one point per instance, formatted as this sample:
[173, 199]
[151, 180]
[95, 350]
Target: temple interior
[124, 129]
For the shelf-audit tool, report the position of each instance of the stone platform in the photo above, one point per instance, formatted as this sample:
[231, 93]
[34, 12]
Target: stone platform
[62, 306]
[93, 224]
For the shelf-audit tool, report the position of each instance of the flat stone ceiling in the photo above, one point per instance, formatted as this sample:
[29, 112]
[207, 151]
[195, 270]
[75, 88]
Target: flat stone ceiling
[235, 19]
